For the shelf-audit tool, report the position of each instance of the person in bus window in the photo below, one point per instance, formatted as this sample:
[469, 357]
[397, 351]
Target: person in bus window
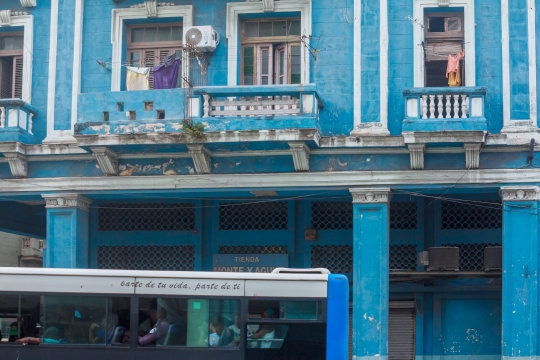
[72, 335]
[233, 331]
[215, 331]
[159, 331]
[266, 331]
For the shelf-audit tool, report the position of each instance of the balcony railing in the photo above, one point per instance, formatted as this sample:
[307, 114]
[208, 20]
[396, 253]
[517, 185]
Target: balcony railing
[448, 108]
[16, 120]
[256, 101]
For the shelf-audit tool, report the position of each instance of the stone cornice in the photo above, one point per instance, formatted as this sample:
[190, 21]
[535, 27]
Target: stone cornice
[72, 200]
[371, 195]
[520, 193]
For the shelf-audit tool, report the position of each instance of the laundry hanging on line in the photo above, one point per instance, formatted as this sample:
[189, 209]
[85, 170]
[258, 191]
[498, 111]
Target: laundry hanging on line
[166, 74]
[137, 78]
[453, 73]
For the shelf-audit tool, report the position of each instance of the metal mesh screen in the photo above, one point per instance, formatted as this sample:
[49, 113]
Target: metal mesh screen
[260, 216]
[178, 258]
[402, 257]
[269, 249]
[403, 215]
[487, 215]
[331, 215]
[146, 217]
[471, 256]
[336, 258]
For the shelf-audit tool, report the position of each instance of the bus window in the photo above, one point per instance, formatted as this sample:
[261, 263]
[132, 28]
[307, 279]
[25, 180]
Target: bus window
[225, 323]
[301, 310]
[19, 317]
[257, 307]
[111, 327]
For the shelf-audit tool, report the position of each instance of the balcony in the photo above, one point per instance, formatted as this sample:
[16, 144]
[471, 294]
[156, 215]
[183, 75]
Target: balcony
[256, 107]
[219, 108]
[16, 120]
[444, 109]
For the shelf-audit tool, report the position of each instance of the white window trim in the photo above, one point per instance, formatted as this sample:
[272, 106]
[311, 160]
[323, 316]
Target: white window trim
[234, 10]
[118, 18]
[508, 123]
[27, 22]
[469, 31]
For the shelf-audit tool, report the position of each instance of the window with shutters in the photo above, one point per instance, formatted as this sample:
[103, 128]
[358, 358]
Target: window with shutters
[11, 65]
[271, 52]
[149, 44]
[443, 36]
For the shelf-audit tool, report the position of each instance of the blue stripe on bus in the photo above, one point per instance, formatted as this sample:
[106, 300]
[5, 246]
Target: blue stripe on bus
[337, 335]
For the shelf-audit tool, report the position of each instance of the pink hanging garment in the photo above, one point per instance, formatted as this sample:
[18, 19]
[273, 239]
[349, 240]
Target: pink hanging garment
[453, 63]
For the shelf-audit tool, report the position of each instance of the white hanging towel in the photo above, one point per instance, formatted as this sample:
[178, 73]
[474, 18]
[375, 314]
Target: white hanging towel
[137, 78]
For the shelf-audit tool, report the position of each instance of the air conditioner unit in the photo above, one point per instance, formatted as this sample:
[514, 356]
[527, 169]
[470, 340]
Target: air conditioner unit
[201, 37]
[443, 259]
[492, 258]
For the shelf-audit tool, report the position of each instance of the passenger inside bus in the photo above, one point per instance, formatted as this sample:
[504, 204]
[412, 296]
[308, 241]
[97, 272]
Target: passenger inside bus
[159, 331]
[266, 331]
[215, 329]
[233, 331]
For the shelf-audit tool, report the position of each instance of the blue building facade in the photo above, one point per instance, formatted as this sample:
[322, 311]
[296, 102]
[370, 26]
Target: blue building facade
[324, 130]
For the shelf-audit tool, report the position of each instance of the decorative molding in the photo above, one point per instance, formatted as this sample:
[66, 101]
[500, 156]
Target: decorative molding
[267, 5]
[107, 160]
[520, 193]
[5, 18]
[300, 153]
[18, 164]
[370, 129]
[371, 195]
[416, 152]
[472, 155]
[443, 3]
[201, 158]
[151, 7]
[120, 15]
[415, 137]
[236, 9]
[28, 3]
[72, 200]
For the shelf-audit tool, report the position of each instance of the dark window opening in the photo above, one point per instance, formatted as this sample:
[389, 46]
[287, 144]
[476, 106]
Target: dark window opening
[436, 24]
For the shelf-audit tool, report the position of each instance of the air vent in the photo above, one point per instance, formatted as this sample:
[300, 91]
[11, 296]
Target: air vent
[492, 258]
[443, 259]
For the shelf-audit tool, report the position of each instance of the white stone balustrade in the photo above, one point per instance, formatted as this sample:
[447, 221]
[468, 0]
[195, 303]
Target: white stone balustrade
[444, 103]
[15, 113]
[252, 106]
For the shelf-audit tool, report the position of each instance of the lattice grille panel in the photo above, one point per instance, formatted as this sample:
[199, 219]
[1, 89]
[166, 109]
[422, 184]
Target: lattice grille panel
[336, 258]
[269, 249]
[178, 258]
[402, 257]
[146, 217]
[487, 215]
[471, 256]
[331, 215]
[261, 216]
[404, 215]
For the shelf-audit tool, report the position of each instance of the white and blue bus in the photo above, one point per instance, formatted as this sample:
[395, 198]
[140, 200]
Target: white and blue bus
[120, 314]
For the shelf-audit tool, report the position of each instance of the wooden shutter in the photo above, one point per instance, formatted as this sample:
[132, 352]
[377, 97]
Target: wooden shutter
[401, 330]
[150, 61]
[18, 77]
[6, 73]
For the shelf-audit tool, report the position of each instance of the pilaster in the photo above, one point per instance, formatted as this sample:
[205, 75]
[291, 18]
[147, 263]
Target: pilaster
[416, 152]
[370, 272]
[472, 155]
[67, 231]
[520, 272]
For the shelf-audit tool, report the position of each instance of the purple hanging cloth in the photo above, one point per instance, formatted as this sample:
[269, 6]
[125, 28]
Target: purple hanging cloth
[166, 77]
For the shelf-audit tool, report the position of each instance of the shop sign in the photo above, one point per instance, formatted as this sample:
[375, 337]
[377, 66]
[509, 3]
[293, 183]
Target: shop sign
[252, 263]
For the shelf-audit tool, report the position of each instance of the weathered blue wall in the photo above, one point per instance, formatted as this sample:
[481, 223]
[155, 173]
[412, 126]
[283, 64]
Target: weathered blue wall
[370, 60]
[519, 60]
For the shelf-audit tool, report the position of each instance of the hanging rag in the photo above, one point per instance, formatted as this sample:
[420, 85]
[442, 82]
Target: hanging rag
[137, 78]
[166, 77]
[452, 69]
[169, 60]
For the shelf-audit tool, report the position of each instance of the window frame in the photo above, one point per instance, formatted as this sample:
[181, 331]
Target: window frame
[469, 36]
[130, 45]
[273, 43]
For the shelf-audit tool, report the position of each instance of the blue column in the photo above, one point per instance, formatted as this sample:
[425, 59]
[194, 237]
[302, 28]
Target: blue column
[67, 231]
[370, 273]
[520, 272]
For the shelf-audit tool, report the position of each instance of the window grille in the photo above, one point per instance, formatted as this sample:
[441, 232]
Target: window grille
[177, 258]
[258, 216]
[404, 215]
[403, 257]
[487, 215]
[268, 249]
[471, 256]
[331, 215]
[146, 217]
[336, 258]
